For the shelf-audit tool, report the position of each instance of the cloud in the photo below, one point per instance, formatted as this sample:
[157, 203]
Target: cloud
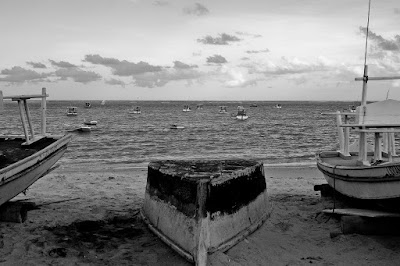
[20, 75]
[248, 34]
[122, 68]
[178, 64]
[382, 43]
[36, 65]
[216, 59]
[113, 81]
[236, 77]
[197, 9]
[77, 75]
[160, 3]
[62, 64]
[222, 39]
[266, 50]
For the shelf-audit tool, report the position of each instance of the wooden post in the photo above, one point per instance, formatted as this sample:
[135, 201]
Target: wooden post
[1, 101]
[44, 108]
[362, 154]
[377, 152]
[21, 112]
[28, 117]
[203, 237]
[340, 131]
[346, 137]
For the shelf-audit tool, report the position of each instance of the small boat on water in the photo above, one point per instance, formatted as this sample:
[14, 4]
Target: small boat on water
[186, 108]
[206, 206]
[90, 122]
[26, 158]
[352, 108]
[222, 110]
[278, 106]
[253, 105]
[199, 107]
[176, 127]
[103, 102]
[241, 113]
[72, 111]
[84, 129]
[136, 110]
[367, 170]
[88, 105]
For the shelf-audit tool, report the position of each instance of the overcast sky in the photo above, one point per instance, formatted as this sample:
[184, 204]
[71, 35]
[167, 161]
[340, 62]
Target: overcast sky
[198, 50]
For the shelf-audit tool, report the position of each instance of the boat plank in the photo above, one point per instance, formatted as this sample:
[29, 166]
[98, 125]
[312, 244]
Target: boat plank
[362, 213]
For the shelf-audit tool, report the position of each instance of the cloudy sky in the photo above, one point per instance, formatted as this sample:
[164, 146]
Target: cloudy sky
[198, 50]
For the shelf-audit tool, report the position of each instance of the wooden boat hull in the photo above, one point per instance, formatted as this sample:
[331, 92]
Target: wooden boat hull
[241, 117]
[18, 176]
[197, 214]
[380, 181]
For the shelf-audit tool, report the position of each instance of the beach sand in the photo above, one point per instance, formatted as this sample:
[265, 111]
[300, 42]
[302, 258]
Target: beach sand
[90, 217]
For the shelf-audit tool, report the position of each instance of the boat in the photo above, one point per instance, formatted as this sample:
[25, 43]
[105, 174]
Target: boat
[241, 113]
[136, 110]
[103, 102]
[200, 207]
[176, 127]
[84, 129]
[88, 105]
[199, 106]
[222, 110]
[278, 106]
[365, 170]
[90, 122]
[186, 108]
[253, 105]
[26, 158]
[72, 111]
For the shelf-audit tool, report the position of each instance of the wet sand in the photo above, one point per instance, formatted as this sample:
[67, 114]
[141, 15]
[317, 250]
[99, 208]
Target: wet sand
[90, 217]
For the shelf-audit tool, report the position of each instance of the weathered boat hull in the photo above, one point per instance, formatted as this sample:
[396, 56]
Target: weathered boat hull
[18, 176]
[200, 213]
[361, 182]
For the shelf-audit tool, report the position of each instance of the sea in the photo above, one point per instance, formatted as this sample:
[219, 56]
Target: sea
[291, 135]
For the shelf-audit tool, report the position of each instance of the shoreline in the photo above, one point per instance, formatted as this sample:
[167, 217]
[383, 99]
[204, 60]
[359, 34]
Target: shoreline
[90, 217]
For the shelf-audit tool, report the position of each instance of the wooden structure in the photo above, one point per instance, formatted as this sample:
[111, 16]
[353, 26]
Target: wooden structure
[25, 159]
[200, 207]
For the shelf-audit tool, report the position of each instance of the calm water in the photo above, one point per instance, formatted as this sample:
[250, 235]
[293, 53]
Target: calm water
[291, 135]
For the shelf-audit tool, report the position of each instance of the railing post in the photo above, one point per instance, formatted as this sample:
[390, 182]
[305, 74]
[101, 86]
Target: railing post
[43, 107]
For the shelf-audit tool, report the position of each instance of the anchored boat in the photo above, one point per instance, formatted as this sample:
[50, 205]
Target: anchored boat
[241, 113]
[72, 111]
[26, 158]
[200, 207]
[365, 169]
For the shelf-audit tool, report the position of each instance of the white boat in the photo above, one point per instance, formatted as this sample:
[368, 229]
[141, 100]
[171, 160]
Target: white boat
[199, 106]
[176, 127]
[30, 156]
[186, 108]
[72, 111]
[202, 207]
[222, 110]
[241, 113]
[90, 122]
[84, 129]
[103, 102]
[88, 105]
[352, 108]
[136, 110]
[365, 170]
[278, 106]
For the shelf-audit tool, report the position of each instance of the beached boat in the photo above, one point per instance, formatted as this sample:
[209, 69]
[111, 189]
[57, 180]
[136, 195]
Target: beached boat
[186, 108]
[72, 111]
[88, 105]
[26, 158]
[201, 207]
[365, 169]
[136, 110]
[222, 110]
[241, 113]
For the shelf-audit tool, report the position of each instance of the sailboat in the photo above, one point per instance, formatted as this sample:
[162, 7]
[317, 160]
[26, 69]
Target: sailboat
[363, 170]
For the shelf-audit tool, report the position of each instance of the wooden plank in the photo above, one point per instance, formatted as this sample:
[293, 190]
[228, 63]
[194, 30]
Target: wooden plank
[21, 97]
[362, 213]
[371, 125]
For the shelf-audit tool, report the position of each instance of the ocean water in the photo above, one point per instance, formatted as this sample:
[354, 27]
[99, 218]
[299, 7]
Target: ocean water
[290, 135]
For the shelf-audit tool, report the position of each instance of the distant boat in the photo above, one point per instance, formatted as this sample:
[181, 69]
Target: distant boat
[136, 110]
[199, 106]
[253, 105]
[88, 105]
[352, 109]
[278, 106]
[176, 127]
[103, 102]
[84, 129]
[222, 110]
[241, 113]
[90, 122]
[72, 111]
[26, 158]
[186, 108]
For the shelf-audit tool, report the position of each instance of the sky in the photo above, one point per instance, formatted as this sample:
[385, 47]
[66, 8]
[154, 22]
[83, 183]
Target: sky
[231, 50]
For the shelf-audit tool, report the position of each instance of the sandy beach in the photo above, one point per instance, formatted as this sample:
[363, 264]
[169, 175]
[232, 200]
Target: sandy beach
[90, 217]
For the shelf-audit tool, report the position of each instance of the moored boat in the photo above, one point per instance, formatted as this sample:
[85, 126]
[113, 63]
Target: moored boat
[200, 207]
[88, 105]
[186, 108]
[222, 110]
[72, 111]
[368, 170]
[136, 110]
[90, 122]
[278, 106]
[241, 113]
[26, 158]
